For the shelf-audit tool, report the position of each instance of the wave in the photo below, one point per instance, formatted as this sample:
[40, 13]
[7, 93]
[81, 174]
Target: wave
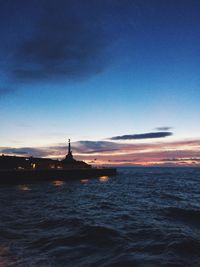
[185, 246]
[10, 234]
[100, 235]
[87, 235]
[144, 217]
[186, 215]
[59, 222]
[170, 196]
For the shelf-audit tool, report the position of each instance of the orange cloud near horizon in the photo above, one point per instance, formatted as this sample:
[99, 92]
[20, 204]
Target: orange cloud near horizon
[176, 153]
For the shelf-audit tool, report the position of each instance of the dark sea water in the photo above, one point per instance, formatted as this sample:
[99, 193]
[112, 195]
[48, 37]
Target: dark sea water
[141, 217]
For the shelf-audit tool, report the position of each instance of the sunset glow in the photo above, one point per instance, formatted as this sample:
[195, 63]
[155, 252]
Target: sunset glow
[120, 79]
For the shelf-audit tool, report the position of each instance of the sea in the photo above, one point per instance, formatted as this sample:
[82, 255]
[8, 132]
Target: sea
[140, 217]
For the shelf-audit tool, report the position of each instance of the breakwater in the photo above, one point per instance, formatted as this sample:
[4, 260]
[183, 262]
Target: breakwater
[18, 176]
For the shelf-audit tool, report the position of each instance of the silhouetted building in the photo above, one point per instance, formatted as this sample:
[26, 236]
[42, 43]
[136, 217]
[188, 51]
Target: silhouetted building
[14, 162]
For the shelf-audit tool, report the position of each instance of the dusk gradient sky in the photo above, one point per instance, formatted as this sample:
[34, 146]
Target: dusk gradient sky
[121, 78]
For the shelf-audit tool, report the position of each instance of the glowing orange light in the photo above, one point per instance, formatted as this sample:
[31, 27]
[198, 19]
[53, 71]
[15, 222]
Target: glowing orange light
[33, 165]
[4, 251]
[103, 179]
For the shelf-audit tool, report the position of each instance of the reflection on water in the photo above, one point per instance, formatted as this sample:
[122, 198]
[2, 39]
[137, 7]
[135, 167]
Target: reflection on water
[3, 263]
[103, 179]
[58, 183]
[4, 251]
[84, 181]
[24, 187]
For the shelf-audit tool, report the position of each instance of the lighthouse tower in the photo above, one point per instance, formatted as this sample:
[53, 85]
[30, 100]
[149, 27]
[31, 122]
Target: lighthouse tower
[69, 156]
[70, 163]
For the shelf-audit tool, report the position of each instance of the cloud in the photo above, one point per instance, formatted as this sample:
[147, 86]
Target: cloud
[181, 159]
[179, 153]
[164, 128]
[69, 40]
[80, 147]
[24, 151]
[142, 136]
[91, 147]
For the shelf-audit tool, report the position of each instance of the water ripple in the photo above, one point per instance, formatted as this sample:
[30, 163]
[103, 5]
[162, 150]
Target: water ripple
[142, 217]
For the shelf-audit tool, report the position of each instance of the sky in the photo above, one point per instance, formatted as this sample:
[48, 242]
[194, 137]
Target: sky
[121, 78]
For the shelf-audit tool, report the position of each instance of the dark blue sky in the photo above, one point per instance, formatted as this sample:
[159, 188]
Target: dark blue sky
[97, 69]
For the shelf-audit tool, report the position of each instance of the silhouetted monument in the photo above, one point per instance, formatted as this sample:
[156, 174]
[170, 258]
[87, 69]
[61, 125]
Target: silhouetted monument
[70, 163]
[69, 156]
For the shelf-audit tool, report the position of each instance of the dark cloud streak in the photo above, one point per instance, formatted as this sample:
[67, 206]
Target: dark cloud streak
[165, 128]
[142, 136]
[92, 147]
[181, 159]
[69, 40]
[66, 39]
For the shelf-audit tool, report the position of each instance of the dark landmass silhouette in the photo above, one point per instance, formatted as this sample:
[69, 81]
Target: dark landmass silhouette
[28, 163]
[15, 169]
